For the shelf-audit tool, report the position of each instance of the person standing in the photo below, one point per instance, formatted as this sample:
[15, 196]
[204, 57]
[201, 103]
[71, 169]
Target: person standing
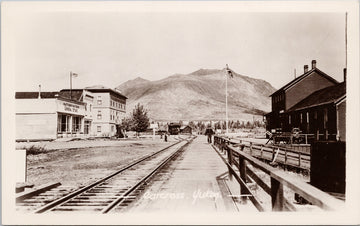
[209, 132]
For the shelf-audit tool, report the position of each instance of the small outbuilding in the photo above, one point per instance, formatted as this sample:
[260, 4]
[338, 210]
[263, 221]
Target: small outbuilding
[186, 129]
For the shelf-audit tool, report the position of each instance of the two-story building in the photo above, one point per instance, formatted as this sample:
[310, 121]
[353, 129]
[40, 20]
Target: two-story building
[108, 110]
[313, 102]
[293, 92]
[87, 98]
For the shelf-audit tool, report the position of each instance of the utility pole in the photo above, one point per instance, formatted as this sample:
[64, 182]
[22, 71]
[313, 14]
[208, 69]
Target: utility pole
[71, 75]
[226, 96]
[70, 85]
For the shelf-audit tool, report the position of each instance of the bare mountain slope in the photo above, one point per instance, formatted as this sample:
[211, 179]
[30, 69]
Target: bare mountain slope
[199, 96]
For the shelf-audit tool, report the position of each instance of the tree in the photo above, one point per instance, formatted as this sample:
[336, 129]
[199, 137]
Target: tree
[127, 124]
[140, 119]
[192, 125]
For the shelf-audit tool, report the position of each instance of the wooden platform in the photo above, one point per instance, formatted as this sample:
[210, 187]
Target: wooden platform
[195, 182]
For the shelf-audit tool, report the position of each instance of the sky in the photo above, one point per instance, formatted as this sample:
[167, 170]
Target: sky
[109, 48]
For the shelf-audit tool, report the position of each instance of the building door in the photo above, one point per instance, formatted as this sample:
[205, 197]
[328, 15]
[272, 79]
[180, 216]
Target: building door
[87, 126]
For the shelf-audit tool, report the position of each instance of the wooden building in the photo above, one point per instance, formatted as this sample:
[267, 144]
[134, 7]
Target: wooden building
[322, 113]
[47, 116]
[186, 129]
[313, 102]
[295, 91]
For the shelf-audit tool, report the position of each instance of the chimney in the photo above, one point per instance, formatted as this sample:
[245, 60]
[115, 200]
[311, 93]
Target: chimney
[306, 68]
[344, 74]
[39, 97]
[313, 64]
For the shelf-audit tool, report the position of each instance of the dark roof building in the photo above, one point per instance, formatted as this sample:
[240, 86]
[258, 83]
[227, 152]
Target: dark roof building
[299, 88]
[313, 102]
[327, 95]
[186, 129]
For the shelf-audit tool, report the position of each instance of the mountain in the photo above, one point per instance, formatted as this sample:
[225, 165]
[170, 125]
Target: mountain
[199, 95]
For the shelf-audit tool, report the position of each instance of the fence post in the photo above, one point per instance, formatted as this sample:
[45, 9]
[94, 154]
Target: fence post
[273, 153]
[261, 151]
[285, 156]
[251, 148]
[229, 154]
[242, 164]
[306, 139]
[277, 195]
[299, 158]
[222, 145]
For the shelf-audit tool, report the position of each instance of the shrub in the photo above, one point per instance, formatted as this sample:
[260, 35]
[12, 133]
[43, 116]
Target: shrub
[35, 150]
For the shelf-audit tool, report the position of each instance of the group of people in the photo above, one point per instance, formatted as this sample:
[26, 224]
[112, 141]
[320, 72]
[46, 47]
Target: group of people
[209, 132]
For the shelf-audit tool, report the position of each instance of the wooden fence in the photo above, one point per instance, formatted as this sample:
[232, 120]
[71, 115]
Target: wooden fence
[242, 173]
[298, 158]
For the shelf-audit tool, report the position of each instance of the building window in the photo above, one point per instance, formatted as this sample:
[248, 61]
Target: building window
[325, 118]
[99, 100]
[63, 123]
[289, 119]
[98, 129]
[99, 116]
[301, 118]
[307, 117]
[76, 124]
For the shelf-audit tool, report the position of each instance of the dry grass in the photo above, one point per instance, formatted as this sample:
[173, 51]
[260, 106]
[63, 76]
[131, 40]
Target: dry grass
[80, 166]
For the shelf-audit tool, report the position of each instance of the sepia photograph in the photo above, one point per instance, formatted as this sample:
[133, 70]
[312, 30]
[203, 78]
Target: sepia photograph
[180, 112]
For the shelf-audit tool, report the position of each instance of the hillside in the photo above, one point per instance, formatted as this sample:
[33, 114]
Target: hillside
[199, 95]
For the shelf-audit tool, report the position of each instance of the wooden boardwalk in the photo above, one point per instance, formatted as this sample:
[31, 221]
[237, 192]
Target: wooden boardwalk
[195, 182]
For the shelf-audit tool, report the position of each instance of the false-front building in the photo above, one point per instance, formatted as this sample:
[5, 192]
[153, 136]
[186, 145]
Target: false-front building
[47, 115]
[93, 111]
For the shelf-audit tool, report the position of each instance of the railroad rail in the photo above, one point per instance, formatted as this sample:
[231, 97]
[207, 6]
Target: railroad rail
[28, 201]
[299, 159]
[118, 188]
[238, 165]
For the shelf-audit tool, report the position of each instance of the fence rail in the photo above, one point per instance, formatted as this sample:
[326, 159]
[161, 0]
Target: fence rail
[243, 174]
[277, 154]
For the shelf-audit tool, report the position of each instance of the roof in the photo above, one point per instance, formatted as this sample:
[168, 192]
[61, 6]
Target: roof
[324, 96]
[44, 95]
[101, 89]
[174, 124]
[183, 127]
[303, 76]
[35, 95]
[75, 94]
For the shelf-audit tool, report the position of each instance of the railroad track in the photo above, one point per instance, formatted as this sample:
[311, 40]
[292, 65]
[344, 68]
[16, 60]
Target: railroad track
[118, 189]
[31, 200]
